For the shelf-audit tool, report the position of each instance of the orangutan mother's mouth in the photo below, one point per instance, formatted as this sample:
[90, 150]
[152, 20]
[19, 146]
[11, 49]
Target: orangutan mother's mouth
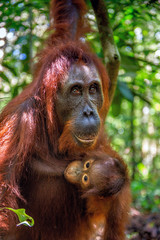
[86, 141]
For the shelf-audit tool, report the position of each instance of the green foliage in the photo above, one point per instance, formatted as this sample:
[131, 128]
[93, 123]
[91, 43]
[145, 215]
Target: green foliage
[133, 120]
[24, 23]
[146, 194]
[24, 219]
[125, 91]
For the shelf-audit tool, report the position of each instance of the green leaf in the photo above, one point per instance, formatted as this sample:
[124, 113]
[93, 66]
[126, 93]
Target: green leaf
[23, 217]
[12, 70]
[129, 63]
[125, 91]
[142, 169]
[4, 77]
[116, 104]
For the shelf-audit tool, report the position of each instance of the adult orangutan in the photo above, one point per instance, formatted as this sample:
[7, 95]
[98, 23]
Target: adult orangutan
[58, 119]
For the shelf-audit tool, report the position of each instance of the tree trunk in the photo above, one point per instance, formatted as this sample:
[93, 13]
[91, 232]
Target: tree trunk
[111, 54]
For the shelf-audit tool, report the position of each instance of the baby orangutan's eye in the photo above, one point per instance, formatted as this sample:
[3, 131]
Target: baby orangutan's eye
[85, 180]
[88, 164]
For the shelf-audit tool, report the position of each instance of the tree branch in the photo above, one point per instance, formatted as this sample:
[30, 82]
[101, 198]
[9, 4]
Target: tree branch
[111, 54]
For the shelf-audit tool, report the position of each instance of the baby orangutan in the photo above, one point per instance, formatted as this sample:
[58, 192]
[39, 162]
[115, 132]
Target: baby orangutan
[97, 175]
[103, 181]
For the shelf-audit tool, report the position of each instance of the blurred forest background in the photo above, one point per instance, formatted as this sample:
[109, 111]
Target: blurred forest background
[133, 122]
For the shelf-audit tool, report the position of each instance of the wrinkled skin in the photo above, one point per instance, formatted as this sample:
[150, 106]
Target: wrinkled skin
[79, 100]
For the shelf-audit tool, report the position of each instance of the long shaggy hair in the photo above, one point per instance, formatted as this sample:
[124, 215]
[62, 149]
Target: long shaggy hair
[29, 130]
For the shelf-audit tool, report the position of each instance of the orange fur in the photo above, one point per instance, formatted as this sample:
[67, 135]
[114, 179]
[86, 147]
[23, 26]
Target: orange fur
[29, 129]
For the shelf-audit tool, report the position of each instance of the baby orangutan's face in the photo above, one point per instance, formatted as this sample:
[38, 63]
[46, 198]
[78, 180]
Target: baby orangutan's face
[80, 173]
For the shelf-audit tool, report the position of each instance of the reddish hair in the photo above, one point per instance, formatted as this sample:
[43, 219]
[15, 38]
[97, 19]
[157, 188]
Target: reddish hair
[28, 124]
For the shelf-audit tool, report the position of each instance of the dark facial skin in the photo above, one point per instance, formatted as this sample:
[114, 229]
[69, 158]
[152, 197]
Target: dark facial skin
[79, 100]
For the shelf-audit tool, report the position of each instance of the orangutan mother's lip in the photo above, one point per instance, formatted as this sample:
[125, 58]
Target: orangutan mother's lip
[85, 140]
